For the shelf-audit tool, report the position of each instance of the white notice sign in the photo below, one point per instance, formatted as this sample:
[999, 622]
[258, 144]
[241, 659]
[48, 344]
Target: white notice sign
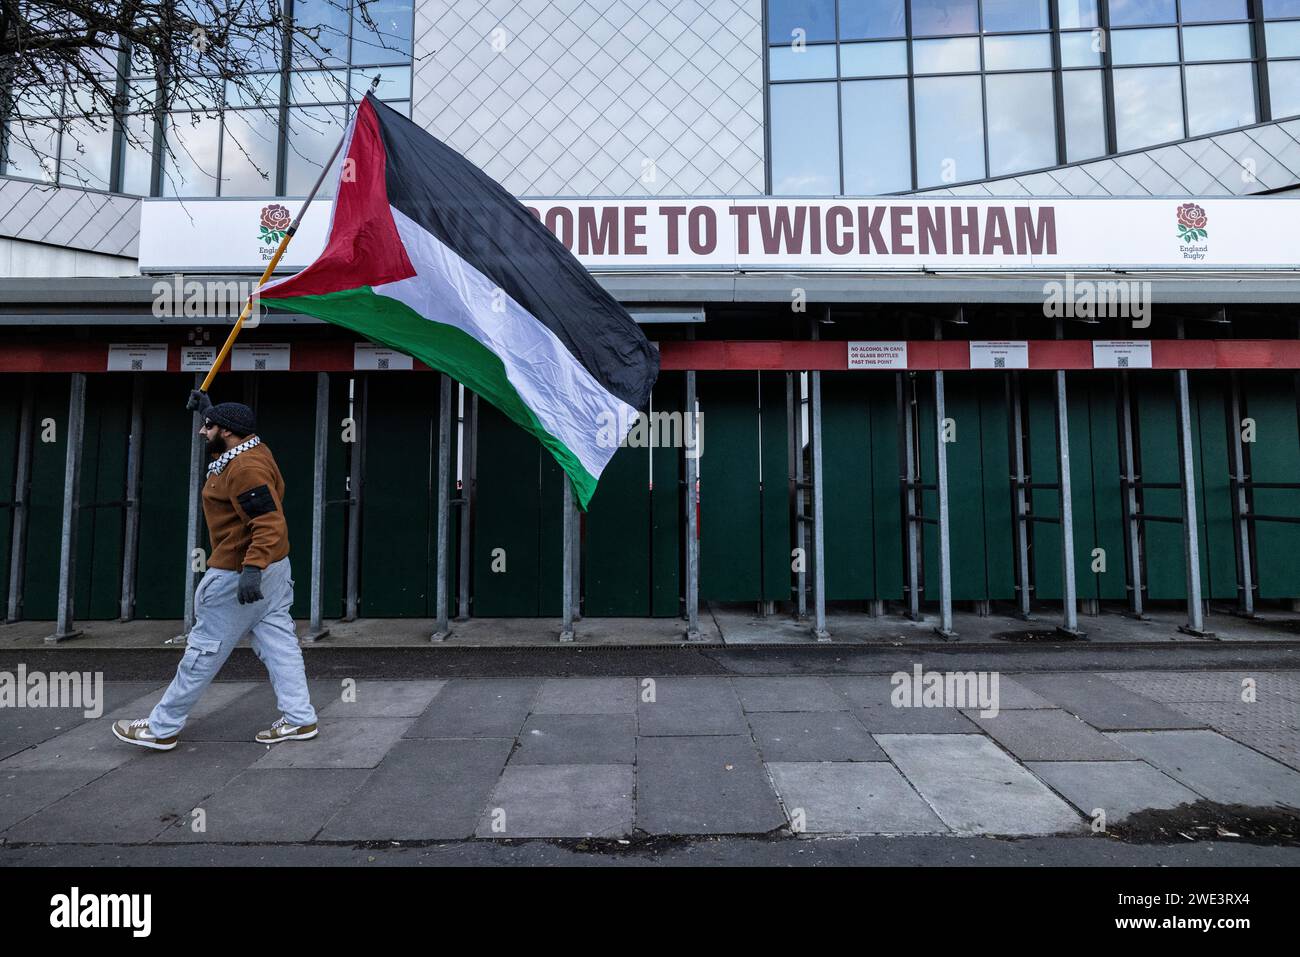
[368, 357]
[1121, 354]
[999, 354]
[263, 357]
[877, 355]
[197, 358]
[137, 357]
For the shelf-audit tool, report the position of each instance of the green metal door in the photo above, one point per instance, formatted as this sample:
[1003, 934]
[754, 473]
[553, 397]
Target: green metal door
[1270, 399]
[631, 542]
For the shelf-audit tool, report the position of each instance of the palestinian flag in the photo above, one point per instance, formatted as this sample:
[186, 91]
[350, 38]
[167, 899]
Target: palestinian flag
[428, 255]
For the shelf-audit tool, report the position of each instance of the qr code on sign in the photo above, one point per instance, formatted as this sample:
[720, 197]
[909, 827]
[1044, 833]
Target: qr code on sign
[137, 365]
[1121, 362]
[999, 362]
[381, 362]
[259, 365]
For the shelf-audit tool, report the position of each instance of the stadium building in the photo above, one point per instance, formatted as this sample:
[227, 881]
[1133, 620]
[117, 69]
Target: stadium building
[964, 307]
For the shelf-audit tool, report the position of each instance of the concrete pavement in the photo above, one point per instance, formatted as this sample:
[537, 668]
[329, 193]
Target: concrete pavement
[1072, 754]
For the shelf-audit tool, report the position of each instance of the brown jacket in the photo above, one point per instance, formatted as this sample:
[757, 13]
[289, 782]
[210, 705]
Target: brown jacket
[244, 508]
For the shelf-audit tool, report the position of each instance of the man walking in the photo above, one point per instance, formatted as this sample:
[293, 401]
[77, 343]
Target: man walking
[247, 587]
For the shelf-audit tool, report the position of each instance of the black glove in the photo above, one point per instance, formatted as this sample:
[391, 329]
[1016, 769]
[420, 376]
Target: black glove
[198, 402]
[250, 585]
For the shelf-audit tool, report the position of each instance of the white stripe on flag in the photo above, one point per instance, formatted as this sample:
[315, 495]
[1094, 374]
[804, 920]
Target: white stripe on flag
[568, 401]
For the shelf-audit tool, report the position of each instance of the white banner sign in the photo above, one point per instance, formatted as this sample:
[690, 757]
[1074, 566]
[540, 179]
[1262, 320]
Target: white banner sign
[1121, 354]
[137, 357]
[197, 358]
[262, 357]
[863, 234]
[989, 354]
[368, 357]
[877, 355]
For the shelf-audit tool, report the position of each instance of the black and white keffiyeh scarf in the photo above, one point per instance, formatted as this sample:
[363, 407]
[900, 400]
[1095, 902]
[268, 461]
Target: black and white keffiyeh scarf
[215, 467]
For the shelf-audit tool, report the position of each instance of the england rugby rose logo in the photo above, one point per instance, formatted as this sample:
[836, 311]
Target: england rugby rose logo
[275, 221]
[1191, 222]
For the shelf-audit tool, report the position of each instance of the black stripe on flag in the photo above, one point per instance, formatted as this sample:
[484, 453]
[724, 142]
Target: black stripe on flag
[485, 225]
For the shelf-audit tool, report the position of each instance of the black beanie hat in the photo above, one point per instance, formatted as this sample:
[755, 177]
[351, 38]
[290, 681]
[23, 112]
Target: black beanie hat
[235, 416]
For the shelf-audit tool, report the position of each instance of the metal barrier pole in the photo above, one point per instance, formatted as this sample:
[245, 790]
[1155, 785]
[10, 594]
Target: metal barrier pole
[794, 403]
[21, 509]
[197, 452]
[1132, 529]
[907, 435]
[467, 436]
[692, 515]
[131, 531]
[71, 503]
[356, 479]
[1191, 546]
[1246, 603]
[1070, 595]
[441, 629]
[317, 629]
[819, 529]
[1021, 496]
[941, 459]
[566, 628]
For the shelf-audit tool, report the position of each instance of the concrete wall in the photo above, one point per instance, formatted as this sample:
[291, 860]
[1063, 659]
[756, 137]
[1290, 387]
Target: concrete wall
[20, 259]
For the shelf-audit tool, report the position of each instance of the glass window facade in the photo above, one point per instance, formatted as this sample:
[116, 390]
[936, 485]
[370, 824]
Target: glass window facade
[257, 141]
[984, 88]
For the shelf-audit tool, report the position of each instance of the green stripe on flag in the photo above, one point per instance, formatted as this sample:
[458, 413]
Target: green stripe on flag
[445, 348]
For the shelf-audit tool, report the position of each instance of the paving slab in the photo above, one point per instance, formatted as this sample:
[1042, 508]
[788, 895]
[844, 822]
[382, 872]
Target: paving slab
[136, 802]
[1268, 712]
[840, 798]
[1283, 746]
[217, 696]
[704, 784]
[270, 806]
[24, 727]
[802, 693]
[577, 739]
[560, 800]
[1104, 704]
[478, 708]
[383, 699]
[813, 736]
[1119, 788]
[975, 787]
[424, 789]
[342, 743]
[886, 719]
[88, 746]
[247, 714]
[1222, 686]
[691, 706]
[587, 696]
[1221, 769]
[1014, 696]
[23, 793]
[862, 690]
[1049, 735]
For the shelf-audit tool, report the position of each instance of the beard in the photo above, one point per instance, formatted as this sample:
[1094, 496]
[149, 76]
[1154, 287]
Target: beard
[216, 445]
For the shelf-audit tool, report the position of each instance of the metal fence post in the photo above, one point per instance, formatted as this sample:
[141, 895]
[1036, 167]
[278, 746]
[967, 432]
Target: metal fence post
[71, 503]
[317, 629]
[692, 515]
[1241, 504]
[441, 601]
[945, 566]
[21, 509]
[819, 530]
[1187, 480]
[467, 459]
[1021, 497]
[566, 627]
[1070, 595]
[1132, 522]
[131, 516]
[356, 479]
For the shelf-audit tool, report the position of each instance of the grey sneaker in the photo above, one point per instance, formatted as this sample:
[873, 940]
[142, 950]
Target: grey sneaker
[282, 730]
[137, 732]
